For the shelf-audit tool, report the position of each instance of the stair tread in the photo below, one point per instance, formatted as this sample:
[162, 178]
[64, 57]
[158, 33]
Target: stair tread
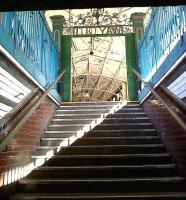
[98, 195]
[131, 179]
[60, 131]
[54, 138]
[106, 119]
[123, 137]
[96, 114]
[106, 146]
[114, 166]
[107, 167]
[104, 138]
[128, 123]
[125, 130]
[110, 156]
[99, 109]
[114, 146]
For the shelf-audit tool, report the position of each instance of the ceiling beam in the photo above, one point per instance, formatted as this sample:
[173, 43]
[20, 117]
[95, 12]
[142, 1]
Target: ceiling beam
[99, 75]
[110, 86]
[97, 84]
[97, 90]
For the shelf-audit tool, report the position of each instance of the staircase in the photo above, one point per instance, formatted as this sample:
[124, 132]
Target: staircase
[122, 158]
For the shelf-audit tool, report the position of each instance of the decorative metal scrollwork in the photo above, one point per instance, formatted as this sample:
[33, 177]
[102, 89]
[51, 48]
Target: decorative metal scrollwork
[95, 18]
[98, 16]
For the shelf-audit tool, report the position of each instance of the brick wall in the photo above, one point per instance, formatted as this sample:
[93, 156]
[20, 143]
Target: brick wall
[28, 137]
[34, 128]
[171, 133]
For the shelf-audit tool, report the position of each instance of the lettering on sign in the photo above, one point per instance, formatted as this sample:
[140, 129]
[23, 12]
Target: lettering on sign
[97, 30]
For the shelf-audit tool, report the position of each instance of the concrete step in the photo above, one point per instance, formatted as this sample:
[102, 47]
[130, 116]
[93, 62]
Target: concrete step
[96, 106]
[104, 196]
[98, 111]
[106, 159]
[76, 116]
[84, 107]
[126, 120]
[121, 133]
[104, 133]
[116, 140]
[106, 121]
[104, 171]
[126, 115]
[54, 141]
[123, 126]
[114, 149]
[103, 149]
[83, 111]
[71, 121]
[55, 134]
[141, 184]
[65, 127]
[94, 116]
[102, 126]
[130, 109]
[94, 103]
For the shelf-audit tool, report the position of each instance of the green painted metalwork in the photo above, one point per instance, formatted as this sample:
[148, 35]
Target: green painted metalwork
[66, 65]
[131, 63]
[138, 19]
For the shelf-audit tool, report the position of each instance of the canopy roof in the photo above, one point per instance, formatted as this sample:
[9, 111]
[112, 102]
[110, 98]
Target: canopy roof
[98, 63]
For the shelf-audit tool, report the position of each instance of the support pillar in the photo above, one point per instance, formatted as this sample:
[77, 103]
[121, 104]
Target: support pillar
[66, 65]
[131, 63]
[57, 29]
[138, 19]
[124, 90]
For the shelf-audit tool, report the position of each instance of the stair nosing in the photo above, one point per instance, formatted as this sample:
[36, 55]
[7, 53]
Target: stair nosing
[132, 179]
[147, 166]
[104, 146]
[101, 195]
[107, 156]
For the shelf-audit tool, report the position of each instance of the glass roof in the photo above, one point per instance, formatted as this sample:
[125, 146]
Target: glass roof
[98, 63]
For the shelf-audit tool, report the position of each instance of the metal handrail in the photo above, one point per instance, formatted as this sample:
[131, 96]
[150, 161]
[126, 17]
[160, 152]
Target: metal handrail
[13, 132]
[5, 120]
[167, 107]
[174, 99]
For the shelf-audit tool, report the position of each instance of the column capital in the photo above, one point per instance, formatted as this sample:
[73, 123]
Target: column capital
[57, 20]
[137, 17]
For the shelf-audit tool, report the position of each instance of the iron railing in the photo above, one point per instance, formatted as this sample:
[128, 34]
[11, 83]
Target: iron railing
[166, 27]
[7, 119]
[26, 36]
[166, 106]
[174, 99]
[15, 129]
